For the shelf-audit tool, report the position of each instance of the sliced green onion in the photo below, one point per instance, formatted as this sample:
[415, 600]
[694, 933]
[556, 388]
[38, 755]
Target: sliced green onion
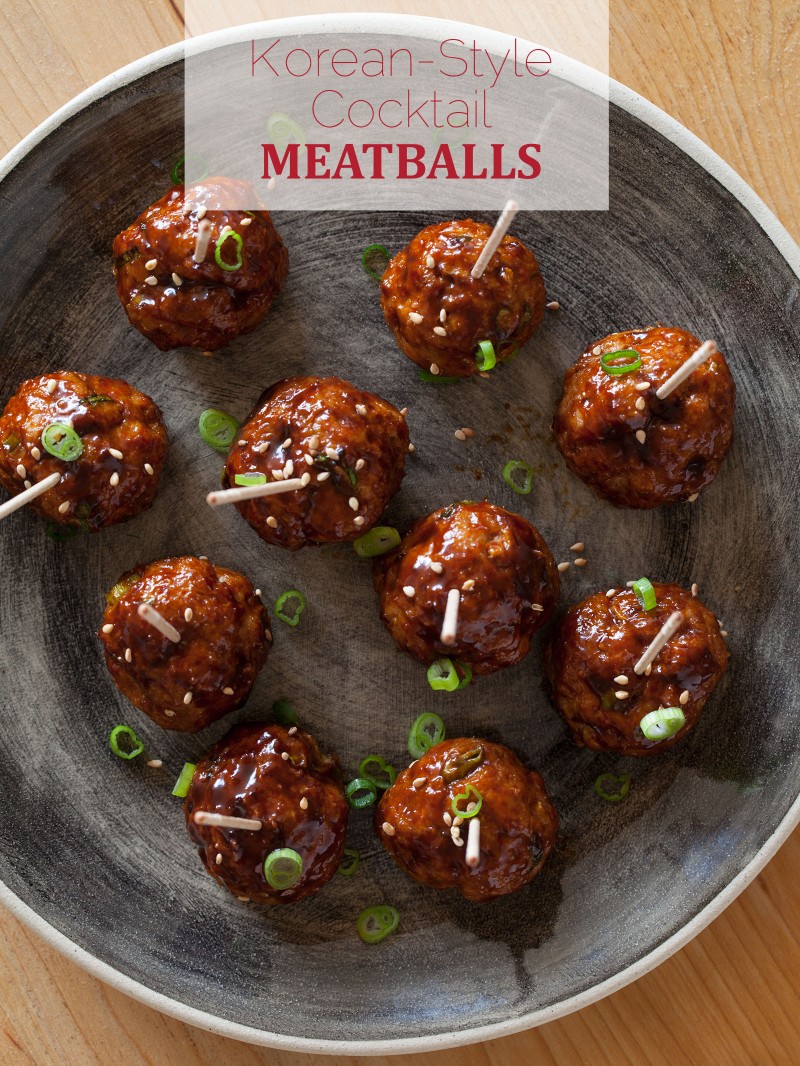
[250, 479]
[195, 164]
[377, 541]
[442, 675]
[426, 731]
[60, 533]
[506, 354]
[361, 792]
[374, 924]
[466, 670]
[284, 713]
[217, 429]
[133, 746]
[62, 441]
[612, 788]
[645, 593]
[381, 773]
[283, 868]
[510, 469]
[228, 235]
[463, 764]
[96, 399]
[286, 597]
[12, 442]
[469, 791]
[610, 362]
[350, 863]
[485, 359]
[663, 723]
[437, 379]
[282, 129]
[373, 254]
[184, 780]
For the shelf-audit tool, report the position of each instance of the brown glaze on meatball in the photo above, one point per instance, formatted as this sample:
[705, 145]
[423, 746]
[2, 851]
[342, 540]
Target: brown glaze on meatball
[518, 822]
[356, 443]
[225, 637]
[124, 444]
[686, 436]
[508, 580]
[246, 776]
[600, 640]
[177, 302]
[433, 274]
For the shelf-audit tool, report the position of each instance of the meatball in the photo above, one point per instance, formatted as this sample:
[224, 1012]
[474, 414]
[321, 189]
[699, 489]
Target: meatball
[348, 446]
[506, 575]
[176, 301]
[224, 639]
[590, 659]
[439, 313]
[516, 822]
[280, 778]
[106, 439]
[632, 448]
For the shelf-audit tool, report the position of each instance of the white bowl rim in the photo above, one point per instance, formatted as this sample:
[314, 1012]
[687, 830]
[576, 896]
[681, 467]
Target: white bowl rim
[672, 130]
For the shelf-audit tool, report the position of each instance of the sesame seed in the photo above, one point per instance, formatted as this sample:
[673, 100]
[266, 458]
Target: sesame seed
[309, 459]
[188, 614]
[50, 385]
[353, 503]
[258, 592]
[201, 213]
[331, 453]
[292, 730]
[460, 435]
[186, 209]
[108, 627]
[642, 386]
[63, 507]
[440, 331]
[288, 468]
[641, 436]
[115, 452]
[553, 305]
[578, 546]
[457, 821]
[455, 832]
[151, 264]
[246, 221]
[37, 455]
[693, 497]
[404, 411]
[622, 694]
[447, 818]
[409, 591]
[648, 670]
[418, 782]
[285, 756]
[414, 317]
[360, 464]
[304, 804]
[611, 592]
[225, 229]
[21, 470]
[695, 589]
[313, 443]
[359, 520]
[597, 349]
[155, 764]
[360, 409]
[388, 829]
[621, 679]
[723, 632]
[434, 369]
[640, 404]
[443, 315]
[581, 562]
[207, 354]
[411, 448]
[484, 374]
[114, 480]
[272, 522]
[630, 584]
[537, 607]
[430, 262]
[437, 568]
[27, 484]
[218, 859]
[287, 443]
[177, 280]
[278, 475]
[683, 699]
[305, 479]
[128, 655]
[459, 843]
[468, 432]
[323, 476]
[151, 280]
[562, 567]
[148, 468]
[187, 699]
[169, 714]
[468, 585]
[242, 443]
[228, 690]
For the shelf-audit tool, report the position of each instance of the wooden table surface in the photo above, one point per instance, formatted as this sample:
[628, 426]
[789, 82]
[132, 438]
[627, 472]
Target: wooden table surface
[731, 73]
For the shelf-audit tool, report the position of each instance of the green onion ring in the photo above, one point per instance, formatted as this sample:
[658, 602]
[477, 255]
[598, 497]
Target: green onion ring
[370, 254]
[217, 429]
[663, 723]
[197, 172]
[97, 398]
[285, 597]
[350, 862]
[617, 369]
[250, 479]
[61, 440]
[181, 786]
[282, 129]
[374, 924]
[437, 379]
[485, 359]
[377, 541]
[619, 783]
[442, 675]
[60, 533]
[284, 713]
[645, 593]
[511, 468]
[228, 235]
[384, 777]
[136, 746]
[283, 868]
[361, 792]
[466, 670]
[465, 795]
[426, 731]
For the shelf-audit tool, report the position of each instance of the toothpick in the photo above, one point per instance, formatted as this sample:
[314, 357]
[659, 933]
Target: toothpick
[226, 821]
[203, 237]
[705, 351]
[159, 622]
[668, 630]
[472, 856]
[497, 234]
[253, 492]
[29, 494]
[450, 623]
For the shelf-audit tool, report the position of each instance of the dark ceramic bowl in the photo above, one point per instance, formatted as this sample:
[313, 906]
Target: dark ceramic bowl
[93, 852]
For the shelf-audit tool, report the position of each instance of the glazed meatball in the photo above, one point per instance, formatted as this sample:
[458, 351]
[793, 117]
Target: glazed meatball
[632, 448]
[516, 822]
[432, 275]
[590, 659]
[176, 301]
[283, 780]
[224, 639]
[348, 446]
[106, 439]
[506, 575]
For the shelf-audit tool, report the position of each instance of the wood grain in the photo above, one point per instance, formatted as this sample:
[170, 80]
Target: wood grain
[730, 74]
